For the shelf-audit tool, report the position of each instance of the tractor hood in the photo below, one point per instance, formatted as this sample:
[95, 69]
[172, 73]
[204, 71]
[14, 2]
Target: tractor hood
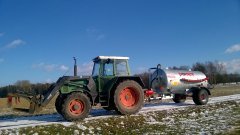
[74, 83]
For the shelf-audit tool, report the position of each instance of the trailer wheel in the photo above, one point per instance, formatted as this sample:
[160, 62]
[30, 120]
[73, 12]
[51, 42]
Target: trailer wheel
[76, 106]
[200, 97]
[128, 97]
[179, 98]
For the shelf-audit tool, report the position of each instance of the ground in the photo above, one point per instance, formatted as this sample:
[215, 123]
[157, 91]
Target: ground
[220, 116]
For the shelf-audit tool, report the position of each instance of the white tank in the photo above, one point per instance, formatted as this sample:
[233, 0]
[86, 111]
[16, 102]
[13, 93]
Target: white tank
[176, 81]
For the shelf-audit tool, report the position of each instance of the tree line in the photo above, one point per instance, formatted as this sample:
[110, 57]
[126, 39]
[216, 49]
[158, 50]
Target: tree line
[24, 86]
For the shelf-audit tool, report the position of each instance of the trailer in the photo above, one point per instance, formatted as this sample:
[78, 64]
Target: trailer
[178, 85]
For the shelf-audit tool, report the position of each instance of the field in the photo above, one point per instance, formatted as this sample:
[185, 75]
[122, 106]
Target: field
[214, 118]
[217, 91]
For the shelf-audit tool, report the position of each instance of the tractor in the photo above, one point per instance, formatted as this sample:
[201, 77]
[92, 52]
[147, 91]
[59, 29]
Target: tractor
[111, 85]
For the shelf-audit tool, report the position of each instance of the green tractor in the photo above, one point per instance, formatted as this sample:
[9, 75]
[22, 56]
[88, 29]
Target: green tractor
[110, 85]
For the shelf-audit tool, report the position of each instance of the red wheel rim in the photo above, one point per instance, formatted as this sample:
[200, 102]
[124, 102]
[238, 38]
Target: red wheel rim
[128, 97]
[202, 96]
[76, 107]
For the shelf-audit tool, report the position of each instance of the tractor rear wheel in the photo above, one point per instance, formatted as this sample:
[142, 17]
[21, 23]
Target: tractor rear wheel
[200, 97]
[76, 106]
[128, 97]
[179, 98]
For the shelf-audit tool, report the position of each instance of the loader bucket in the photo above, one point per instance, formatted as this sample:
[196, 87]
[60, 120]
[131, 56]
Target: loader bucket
[17, 106]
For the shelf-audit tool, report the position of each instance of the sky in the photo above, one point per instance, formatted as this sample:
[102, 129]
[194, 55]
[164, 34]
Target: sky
[39, 38]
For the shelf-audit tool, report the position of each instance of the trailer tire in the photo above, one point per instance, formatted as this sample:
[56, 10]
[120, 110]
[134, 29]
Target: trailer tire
[179, 98]
[76, 106]
[200, 97]
[128, 97]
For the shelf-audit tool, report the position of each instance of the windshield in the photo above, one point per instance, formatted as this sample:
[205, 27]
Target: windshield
[96, 69]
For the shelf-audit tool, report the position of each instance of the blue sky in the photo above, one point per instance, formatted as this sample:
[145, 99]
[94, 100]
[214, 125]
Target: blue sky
[39, 38]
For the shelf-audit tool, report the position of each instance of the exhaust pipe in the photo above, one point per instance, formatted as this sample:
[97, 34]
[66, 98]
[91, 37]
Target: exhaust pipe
[75, 66]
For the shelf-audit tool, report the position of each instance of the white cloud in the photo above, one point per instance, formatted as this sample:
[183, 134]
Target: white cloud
[140, 70]
[85, 69]
[1, 60]
[232, 66]
[63, 68]
[95, 33]
[15, 43]
[49, 80]
[1, 34]
[50, 67]
[234, 48]
[100, 36]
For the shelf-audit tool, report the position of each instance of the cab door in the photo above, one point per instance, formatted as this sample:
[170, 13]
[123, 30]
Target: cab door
[106, 75]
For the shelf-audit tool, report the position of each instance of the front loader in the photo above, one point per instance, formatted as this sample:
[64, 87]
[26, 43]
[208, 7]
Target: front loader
[110, 85]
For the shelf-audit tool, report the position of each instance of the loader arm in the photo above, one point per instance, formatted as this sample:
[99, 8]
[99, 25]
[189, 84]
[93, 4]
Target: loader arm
[54, 89]
[37, 101]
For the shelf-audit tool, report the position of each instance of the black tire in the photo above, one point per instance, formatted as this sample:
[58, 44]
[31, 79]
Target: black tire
[76, 106]
[58, 104]
[179, 98]
[128, 97]
[200, 97]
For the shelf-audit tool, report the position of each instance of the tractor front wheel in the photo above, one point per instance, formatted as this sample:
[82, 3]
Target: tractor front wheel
[128, 97]
[76, 106]
[58, 104]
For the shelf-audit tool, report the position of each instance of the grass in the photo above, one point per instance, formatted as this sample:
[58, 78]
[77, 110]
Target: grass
[210, 119]
[225, 90]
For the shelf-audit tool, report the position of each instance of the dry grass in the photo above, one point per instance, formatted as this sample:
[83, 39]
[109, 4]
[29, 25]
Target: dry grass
[225, 90]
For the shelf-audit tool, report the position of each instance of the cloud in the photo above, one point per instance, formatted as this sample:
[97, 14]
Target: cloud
[15, 43]
[85, 69]
[48, 80]
[232, 66]
[232, 49]
[95, 33]
[100, 36]
[63, 68]
[1, 34]
[50, 67]
[1, 60]
[140, 70]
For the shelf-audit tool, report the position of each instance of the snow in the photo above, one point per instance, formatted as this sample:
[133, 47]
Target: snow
[80, 126]
[76, 132]
[31, 121]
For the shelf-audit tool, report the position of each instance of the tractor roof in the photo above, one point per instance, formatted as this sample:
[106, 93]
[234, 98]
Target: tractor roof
[110, 57]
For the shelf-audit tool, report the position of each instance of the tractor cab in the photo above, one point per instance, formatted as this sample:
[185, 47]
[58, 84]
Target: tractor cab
[106, 71]
[110, 66]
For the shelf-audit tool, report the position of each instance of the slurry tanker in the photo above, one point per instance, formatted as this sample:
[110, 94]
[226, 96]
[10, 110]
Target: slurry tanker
[178, 85]
[112, 86]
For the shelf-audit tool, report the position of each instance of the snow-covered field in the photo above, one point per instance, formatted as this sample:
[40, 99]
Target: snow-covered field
[31, 121]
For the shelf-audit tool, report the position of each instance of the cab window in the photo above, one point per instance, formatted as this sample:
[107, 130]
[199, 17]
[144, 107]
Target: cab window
[121, 68]
[108, 68]
[96, 69]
